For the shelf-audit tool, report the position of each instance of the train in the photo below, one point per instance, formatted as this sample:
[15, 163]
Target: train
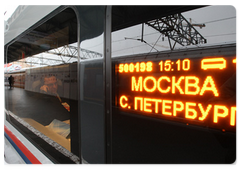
[120, 106]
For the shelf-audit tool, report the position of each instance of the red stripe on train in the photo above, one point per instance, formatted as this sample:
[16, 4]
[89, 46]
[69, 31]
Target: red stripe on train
[23, 148]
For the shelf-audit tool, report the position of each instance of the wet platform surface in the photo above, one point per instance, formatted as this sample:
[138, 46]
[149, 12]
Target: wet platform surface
[40, 107]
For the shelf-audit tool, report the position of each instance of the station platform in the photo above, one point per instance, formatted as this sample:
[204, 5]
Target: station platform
[43, 112]
[39, 107]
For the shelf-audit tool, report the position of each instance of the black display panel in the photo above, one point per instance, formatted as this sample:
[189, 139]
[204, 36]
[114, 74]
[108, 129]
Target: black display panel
[193, 90]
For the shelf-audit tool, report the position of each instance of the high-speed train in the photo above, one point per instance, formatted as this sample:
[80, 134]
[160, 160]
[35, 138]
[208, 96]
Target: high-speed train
[133, 104]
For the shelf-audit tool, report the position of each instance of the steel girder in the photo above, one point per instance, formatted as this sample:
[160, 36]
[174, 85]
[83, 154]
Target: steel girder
[178, 29]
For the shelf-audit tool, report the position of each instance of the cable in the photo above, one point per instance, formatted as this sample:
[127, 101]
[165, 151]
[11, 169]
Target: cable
[220, 35]
[219, 20]
[155, 44]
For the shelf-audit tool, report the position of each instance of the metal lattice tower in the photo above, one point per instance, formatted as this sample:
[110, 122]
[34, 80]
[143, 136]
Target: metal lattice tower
[178, 29]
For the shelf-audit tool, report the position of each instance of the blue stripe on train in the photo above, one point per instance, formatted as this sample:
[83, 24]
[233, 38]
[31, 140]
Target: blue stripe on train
[17, 149]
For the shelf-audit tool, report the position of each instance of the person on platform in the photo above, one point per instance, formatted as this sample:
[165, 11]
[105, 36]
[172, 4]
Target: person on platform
[11, 81]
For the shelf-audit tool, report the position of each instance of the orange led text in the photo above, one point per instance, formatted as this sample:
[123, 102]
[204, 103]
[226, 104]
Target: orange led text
[176, 108]
[174, 85]
[137, 67]
[234, 60]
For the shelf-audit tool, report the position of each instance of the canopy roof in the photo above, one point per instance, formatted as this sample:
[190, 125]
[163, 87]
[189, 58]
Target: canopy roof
[64, 26]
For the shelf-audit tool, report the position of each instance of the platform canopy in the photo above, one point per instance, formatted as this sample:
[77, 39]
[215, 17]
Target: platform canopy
[66, 22]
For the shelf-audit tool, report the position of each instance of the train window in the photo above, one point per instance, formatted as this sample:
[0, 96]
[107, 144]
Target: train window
[91, 84]
[166, 102]
[44, 96]
[92, 48]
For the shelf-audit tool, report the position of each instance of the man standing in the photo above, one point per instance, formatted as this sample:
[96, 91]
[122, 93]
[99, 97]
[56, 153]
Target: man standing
[11, 80]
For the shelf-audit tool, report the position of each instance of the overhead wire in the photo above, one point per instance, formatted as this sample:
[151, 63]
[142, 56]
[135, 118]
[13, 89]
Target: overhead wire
[219, 20]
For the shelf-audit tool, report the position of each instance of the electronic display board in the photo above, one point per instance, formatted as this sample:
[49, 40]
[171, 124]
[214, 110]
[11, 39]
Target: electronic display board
[198, 91]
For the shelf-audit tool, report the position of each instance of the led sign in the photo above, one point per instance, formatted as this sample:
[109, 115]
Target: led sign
[200, 91]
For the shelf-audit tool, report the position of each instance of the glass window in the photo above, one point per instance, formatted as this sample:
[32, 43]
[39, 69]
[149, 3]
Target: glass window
[43, 70]
[91, 83]
[172, 106]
